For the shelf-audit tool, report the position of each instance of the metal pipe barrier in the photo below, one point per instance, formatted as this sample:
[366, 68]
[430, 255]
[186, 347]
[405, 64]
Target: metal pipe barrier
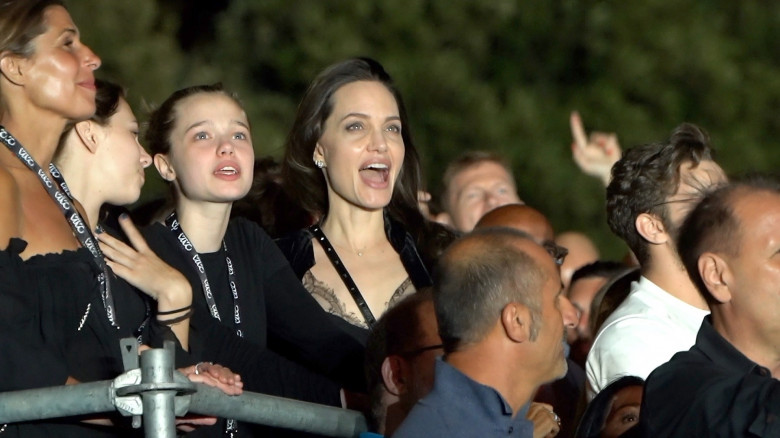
[57, 401]
[159, 393]
[278, 412]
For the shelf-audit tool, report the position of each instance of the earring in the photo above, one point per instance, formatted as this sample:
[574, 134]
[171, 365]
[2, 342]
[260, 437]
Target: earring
[319, 163]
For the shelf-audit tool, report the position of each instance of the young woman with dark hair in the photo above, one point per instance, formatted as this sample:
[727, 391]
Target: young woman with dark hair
[350, 161]
[245, 293]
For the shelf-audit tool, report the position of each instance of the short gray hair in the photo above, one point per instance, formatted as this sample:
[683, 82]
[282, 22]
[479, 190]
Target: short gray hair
[477, 277]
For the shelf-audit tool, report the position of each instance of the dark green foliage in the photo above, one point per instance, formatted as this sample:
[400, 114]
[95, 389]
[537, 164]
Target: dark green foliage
[498, 74]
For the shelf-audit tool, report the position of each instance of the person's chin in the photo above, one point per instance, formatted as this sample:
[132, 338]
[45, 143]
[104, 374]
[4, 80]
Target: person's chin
[372, 203]
[564, 368]
[560, 371]
[81, 112]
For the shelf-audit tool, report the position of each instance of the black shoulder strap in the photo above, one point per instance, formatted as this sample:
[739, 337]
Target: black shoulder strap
[345, 277]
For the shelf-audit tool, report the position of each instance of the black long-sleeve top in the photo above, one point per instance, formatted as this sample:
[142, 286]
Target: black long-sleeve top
[273, 303]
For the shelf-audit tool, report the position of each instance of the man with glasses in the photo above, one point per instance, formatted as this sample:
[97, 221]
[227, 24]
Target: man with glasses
[653, 188]
[400, 354]
[497, 299]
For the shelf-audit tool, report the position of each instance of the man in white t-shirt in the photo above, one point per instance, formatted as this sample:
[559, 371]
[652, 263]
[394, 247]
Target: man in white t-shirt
[653, 187]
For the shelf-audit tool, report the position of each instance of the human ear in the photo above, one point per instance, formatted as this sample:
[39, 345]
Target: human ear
[164, 168]
[716, 276]
[651, 228]
[319, 154]
[516, 321]
[86, 131]
[11, 68]
[393, 375]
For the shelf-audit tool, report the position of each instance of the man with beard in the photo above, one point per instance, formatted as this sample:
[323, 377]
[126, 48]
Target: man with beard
[497, 299]
[652, 189]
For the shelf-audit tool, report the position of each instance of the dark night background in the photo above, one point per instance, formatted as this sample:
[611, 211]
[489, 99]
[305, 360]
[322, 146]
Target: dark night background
[501, 75]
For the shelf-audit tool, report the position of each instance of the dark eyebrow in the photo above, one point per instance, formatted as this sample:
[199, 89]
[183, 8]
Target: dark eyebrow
[239, 122]
[626, 404]
[365, 116]
[361, 115]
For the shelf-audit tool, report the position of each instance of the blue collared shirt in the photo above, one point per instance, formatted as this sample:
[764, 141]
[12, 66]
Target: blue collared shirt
[460, 407]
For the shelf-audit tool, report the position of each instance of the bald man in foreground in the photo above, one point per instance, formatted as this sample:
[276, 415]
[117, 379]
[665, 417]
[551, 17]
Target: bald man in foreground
[513, 327]
[727, 384]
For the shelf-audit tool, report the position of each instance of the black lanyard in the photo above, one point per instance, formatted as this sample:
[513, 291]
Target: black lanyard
[172, 223]
[57, 176]
[77, 223]
[343, 274]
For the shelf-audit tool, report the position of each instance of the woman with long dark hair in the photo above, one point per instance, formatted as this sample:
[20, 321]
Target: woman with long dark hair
[350, 160]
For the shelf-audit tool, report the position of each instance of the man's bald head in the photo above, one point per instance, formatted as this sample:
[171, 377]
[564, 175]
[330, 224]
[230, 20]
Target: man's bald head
[520, 217]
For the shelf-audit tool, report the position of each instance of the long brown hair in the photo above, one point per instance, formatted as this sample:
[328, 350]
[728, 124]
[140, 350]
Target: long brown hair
[304, 180]
[306, 183]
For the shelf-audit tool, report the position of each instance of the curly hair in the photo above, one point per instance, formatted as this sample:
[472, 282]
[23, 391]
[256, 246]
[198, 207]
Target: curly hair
[646, 177]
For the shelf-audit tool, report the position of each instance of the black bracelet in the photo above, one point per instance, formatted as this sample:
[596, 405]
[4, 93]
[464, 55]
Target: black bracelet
[178, 319]
[171, 312]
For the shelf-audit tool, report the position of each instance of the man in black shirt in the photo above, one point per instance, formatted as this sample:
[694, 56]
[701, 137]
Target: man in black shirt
[727, 384]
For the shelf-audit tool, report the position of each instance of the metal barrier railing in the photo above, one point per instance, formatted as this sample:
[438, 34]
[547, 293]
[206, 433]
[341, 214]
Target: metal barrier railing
[158, 393]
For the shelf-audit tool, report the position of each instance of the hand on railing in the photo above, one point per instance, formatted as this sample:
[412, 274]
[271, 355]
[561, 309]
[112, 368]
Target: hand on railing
[214, 395]
[213, 375]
